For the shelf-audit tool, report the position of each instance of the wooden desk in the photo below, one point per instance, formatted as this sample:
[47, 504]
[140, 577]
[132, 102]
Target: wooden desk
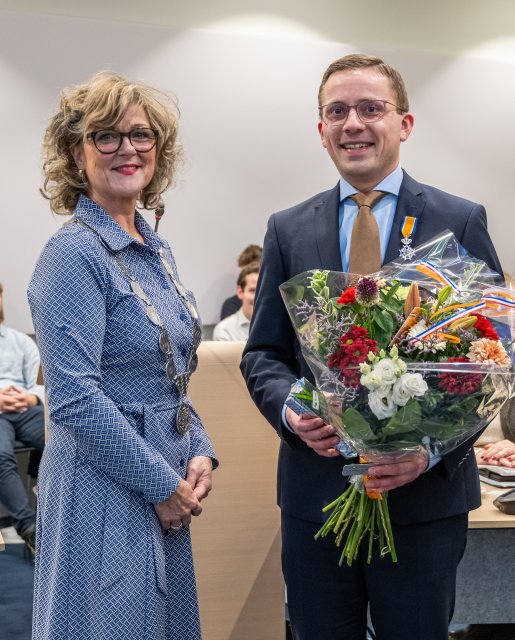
[488, 516]
[484, 587]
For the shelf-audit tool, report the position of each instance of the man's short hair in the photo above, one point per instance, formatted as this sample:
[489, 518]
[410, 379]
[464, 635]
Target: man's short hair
[253, 267]
[362, 61]
[251, 253]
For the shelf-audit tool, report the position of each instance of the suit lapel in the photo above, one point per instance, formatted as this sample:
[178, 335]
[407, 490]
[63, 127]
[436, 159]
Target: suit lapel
[327, 234]
[411, 202]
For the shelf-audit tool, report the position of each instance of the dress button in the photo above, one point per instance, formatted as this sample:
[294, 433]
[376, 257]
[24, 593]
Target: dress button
[181, 461]
[183, 316]
[183, 352]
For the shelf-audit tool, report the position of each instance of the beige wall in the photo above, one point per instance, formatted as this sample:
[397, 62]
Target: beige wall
[246, 75]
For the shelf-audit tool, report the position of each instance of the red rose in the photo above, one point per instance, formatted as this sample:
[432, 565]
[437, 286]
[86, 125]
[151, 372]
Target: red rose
[485, 327]
[348, 296]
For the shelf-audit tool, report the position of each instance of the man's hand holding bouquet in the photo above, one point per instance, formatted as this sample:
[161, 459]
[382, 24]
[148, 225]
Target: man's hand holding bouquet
[409, 363]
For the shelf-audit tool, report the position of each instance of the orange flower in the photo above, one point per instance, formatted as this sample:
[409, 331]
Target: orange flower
[489, 351]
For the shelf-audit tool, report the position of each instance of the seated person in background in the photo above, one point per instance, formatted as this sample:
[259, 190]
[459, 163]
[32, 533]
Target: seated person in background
[236, 326]
[21, 418]
[250, 254]
[500, 453]
[500, 448]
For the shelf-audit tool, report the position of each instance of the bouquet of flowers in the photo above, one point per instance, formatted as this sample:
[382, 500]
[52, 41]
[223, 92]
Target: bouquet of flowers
[416, 355]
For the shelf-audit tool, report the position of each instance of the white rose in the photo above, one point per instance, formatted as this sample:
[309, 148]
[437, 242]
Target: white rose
[407, 386]
[415, 383]
[386, 369]
[382, 406]
[400, 395]
[371, 380]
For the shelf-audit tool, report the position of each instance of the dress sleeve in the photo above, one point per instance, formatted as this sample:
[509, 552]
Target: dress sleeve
[67, 296]
[200, 444]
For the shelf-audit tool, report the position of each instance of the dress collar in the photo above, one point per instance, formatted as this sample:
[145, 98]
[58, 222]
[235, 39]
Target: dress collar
[110, 231]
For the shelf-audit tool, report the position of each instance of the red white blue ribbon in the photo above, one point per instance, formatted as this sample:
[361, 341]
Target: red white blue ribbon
[447, 321]
[433, 271]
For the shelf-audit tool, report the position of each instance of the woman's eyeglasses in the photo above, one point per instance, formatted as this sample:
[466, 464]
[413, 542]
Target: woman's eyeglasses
[109, 141]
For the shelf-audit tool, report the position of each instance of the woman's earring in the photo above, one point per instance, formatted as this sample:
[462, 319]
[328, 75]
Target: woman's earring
[159, 213]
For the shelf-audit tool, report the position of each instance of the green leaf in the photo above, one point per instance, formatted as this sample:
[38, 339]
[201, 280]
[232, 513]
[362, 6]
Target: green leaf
[388, 321]
[384, 320]
[389, 295]
[382, 338]
[405, 420]
[378, 318]
[440, 429]
[356, 426]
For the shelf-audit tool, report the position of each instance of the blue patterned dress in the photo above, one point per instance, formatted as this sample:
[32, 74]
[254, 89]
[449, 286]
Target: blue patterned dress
[105, 570]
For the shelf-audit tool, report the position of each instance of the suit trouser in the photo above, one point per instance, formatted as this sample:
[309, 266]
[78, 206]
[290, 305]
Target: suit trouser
[410, 599]
[28, 427]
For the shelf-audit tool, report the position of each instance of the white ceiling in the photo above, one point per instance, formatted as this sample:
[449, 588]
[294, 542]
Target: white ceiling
[446, 26]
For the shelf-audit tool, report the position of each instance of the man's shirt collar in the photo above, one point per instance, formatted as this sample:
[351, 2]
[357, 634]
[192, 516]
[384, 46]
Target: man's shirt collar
[390, 184]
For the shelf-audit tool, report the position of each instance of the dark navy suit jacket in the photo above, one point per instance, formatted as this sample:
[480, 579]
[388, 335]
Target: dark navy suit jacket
[307, 237]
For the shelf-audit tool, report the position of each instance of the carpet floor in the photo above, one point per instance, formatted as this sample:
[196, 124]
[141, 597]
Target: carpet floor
[16, 585]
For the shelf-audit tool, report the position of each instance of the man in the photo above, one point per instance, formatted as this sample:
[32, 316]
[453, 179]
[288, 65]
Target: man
[21, 419]
[251, 253]
[364, 118]
[236, 326]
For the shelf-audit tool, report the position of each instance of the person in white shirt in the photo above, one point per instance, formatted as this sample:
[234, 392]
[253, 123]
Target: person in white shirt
[236, 326]
[21, 419]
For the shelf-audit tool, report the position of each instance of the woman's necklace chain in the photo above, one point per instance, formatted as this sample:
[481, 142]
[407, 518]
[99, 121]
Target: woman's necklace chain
[180, 380]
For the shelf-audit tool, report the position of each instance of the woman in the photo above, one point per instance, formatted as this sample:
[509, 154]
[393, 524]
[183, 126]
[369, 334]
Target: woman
[502, 451]
[127, 461]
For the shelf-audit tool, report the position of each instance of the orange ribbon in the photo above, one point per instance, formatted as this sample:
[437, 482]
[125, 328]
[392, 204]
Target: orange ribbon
[373, 493]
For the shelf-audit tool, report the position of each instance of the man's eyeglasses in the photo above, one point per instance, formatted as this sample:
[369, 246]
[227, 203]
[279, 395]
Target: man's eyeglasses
[109, 141]
[336, 113]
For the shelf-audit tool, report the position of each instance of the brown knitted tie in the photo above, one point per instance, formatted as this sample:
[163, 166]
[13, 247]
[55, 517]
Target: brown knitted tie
[365, 246]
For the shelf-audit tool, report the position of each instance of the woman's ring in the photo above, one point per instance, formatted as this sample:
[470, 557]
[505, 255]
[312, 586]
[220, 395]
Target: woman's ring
[177, 528]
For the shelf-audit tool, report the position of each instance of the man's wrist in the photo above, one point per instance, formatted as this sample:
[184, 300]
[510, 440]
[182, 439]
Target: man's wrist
[33, 400]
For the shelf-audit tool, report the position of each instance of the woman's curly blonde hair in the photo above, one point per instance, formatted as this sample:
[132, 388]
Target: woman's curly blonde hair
[102, 102]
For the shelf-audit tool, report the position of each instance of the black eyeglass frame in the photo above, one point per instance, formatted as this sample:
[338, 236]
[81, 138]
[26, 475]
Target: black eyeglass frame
[93, 134]
[355, 107]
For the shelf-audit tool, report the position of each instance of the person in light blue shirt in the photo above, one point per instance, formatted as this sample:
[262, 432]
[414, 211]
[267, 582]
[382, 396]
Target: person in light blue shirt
[364, 118]
[21, 419]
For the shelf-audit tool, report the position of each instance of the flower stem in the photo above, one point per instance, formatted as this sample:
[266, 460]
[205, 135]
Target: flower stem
[359, 514]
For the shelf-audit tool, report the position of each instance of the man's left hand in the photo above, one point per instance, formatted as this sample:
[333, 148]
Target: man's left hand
[390, 473]
[20, 399]
[14, 400]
